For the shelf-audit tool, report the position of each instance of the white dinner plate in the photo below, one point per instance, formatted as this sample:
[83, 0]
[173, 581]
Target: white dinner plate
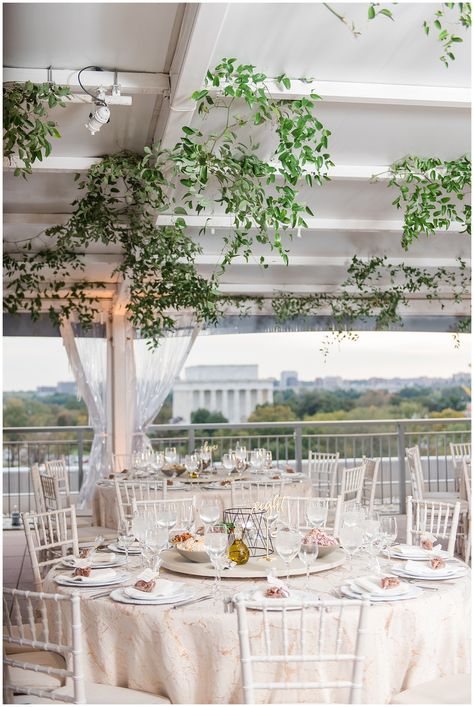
[259, 595]
[118, 562]
[119, 579]
[422, 555]
[456, 574]
[353, 592]
[119, 596]
[134, 550]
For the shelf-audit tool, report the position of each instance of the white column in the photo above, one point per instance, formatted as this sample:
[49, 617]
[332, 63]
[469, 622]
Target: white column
[259, 396]
[201, 399]
[213, 405]
[224, 408]
[248, 404]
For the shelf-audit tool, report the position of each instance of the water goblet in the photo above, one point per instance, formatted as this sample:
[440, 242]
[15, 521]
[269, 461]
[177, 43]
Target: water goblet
[388, 527]
[166, 519]
[210, 512]
[191, 463]
[316, 512]
[351, 537]
[287, 545]
[229, 462]
[126, 537]
[156, 540]
[215, 543]
[170, 455]
[308, 554]
[268, 460]
[371, 530]
[241, 455]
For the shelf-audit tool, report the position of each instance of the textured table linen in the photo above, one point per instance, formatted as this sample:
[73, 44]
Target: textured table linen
[191, 654]
[105, 506]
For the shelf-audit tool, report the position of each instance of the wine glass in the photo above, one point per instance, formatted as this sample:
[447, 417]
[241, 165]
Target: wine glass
[268, 460]
[256, 460]
[241, 455]
[316, 512]
[287, 545]
[388, 527]
[157, 461]
[191, 463]
[166, 518]
[371, 529]
[229, 462]
[308, 553]
[351, 537]
[215, 543]
[170, 455]
[210, 512]
[156, 540]
[186, 515]
[139, 526]
[126, 536]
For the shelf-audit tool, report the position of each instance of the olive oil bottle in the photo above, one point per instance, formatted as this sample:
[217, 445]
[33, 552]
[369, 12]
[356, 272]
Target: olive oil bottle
[238, 551]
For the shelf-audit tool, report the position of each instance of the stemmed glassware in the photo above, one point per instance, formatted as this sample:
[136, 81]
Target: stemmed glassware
[229, 462]
[171, 455]
[287, 545]
[241, 455]
[210, 511]
[372, 537]
[316, 512]
[351, 537]
[191, 463]
[388, 529]
[308, 554]
[166, 519]
[126, 537]
[156, 540]
[215, 543]
[267, 460]
[256, 460]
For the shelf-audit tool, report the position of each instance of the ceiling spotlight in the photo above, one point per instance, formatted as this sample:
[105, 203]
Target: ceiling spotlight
[100, 117]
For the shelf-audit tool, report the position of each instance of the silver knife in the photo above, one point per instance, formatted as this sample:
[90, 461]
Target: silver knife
[191, 601]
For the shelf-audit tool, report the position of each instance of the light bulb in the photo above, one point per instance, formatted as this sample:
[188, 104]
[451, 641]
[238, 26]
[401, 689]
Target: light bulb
[100, 117]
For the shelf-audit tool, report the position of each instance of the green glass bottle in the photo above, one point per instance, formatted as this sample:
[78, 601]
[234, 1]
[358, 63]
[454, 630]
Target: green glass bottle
[238, 551]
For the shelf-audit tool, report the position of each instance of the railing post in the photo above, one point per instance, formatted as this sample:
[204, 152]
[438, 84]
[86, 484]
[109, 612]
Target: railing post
[401, 467]
[191, 440]
[80, 457]
[299, 448]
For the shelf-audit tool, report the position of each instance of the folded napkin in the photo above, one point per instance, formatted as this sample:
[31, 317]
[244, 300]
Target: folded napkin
[100, 557]
[94, 559]
[95, 576]
[163, 587]
[371, 584]
[413, 550]
[426, 570]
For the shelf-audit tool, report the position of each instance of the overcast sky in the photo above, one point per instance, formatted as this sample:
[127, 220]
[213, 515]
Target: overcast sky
[28, 363]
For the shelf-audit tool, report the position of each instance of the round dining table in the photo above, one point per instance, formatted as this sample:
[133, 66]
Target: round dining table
[105, 511]
[191, 653]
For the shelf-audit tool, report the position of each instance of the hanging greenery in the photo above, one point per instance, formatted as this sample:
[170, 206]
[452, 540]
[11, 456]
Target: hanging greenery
[26, 127]
[433, 193]
[124, 194]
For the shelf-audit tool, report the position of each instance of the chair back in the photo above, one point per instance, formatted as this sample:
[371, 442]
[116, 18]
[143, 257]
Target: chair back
[244, 494]
[49, 536]
[129, 491]
[184, 508]
[415, 468]
[293, 512]
[314, 645]
[58, 631]
[352, 483]
[435, 517]
[51, 493]
[37, 489]
[369, 488]
[466, 482]
[57, 468]
[322, 470]
[458, 453]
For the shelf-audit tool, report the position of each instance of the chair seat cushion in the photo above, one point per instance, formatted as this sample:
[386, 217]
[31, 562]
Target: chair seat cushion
[451, 690]
[32, 678]
[101, 695]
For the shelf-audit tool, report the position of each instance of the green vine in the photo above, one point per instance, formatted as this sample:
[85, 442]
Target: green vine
[25, 121]
[433, 194]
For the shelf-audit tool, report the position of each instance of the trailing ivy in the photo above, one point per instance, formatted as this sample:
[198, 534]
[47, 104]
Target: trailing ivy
[27, 130]
[433, 193]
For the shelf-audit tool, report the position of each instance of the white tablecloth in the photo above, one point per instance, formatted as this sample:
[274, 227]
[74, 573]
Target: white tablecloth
[191, 654]
[105, 508]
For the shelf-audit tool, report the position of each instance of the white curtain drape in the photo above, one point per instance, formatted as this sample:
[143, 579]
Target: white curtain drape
[88, 360]
[156, 370]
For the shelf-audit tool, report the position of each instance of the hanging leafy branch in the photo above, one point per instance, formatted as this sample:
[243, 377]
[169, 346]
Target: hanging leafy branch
[433, 193]
[445, 36]
[26, 128]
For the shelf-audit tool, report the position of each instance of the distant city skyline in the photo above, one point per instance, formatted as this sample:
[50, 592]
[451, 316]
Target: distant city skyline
[375, 354]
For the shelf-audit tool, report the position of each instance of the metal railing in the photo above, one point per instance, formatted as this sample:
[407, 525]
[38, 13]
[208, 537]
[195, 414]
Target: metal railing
[289, 442]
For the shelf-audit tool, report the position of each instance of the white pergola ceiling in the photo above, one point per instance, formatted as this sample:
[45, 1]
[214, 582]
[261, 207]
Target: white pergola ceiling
[386, 95]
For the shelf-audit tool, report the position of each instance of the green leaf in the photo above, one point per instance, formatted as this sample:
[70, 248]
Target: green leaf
[371, 12]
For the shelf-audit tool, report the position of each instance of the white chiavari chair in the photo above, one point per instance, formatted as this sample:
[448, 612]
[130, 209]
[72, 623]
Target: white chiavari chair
[129, 491]
[372, 467]
[58, 469]
[352, 484]
[185, 509]
[37, 488]
[244, 494]
[439, 519]
[458, 453]
[302, 647]
[465, 522]
[322, 470]
[48, 537]
[54, 671]
[418, 484]
[293, 512]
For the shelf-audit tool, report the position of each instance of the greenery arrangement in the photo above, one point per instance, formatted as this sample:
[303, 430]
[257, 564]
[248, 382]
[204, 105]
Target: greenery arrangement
[25, 121]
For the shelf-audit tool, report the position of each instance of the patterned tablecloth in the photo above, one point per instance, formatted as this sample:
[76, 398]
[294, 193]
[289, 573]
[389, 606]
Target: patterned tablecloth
[191, 654]
[105, 507]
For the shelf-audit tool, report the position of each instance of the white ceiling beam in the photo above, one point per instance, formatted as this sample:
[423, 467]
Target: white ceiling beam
[352, 92]
[310, 261]
[314, 223]
[202, 24]
[130, 82]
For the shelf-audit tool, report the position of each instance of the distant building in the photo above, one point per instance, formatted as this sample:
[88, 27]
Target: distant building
[234, 391]
[67, 387]
[289, 379]
[44, 390]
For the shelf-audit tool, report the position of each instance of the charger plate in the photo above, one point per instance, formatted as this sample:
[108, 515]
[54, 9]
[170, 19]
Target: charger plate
[256, 567]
